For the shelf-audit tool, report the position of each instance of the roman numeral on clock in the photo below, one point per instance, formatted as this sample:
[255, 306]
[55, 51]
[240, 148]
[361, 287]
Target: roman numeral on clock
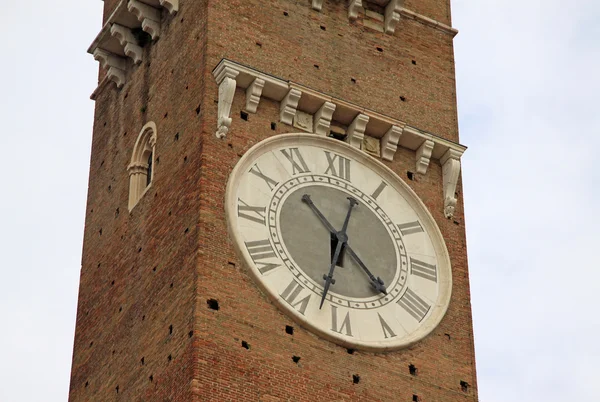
[379, 189]
[257, 172]
[295, 157]
[290, 294]
[254, 214]
[261, 250]
[422, 269]
[387, 331]
[410, 228]
[346, 327]
[338, 166]
[414, 305]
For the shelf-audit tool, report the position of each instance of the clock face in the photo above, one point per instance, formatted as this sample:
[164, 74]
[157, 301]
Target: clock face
[339, 242]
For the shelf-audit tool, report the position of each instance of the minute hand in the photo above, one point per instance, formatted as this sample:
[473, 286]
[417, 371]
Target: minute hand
[306, 198]
[376, 282]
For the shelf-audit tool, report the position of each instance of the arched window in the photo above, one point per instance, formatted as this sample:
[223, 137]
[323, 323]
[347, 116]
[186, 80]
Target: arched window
[141, 168]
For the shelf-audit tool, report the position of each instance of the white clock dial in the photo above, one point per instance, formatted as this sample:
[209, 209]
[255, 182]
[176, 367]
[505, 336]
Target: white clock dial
[339, 242]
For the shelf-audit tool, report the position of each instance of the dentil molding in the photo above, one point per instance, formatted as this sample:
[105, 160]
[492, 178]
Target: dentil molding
[361, 122]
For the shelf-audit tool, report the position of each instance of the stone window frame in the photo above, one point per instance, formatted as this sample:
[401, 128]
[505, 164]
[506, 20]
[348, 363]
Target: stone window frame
[143, 150]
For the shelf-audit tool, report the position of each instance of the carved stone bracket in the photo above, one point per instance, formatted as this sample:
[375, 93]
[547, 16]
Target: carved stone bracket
[148, 16]
[356, 131]
[114, 64]
[424, 156]
[389, 143]
[451, 170]
[128, 41]
[253, 94]
[392, 15]
[288, 106]
[227, 84]
[172, 6]
[322, 119]
[317, 4]
[354, 6]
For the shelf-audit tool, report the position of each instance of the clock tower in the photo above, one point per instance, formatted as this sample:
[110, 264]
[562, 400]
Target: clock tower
[274, 208]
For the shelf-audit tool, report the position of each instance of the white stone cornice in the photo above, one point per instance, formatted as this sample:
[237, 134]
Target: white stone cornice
[227, 84]
[172, 6]
[114, 64]
[149, 17]
[356, 131]
[451, 171]
[354, 6]
[428, 21]
[317, 4]
[253, 94]
[128, 41]
[424, 156]
[389, 143]
[392, 15]
[288, 106]
[322, 119]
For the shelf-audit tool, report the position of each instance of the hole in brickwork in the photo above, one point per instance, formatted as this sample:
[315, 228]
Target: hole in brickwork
[231, 264]
[91, 211]
[447, 336]
[414, 62]
[169, 358]
[187, 230]
[244, 115]
[125, 134]
[143, 109]
[198, 110]
[245, 345]
[117, 212]
[379, 49]
[403, 99]
[289, 330]
[142, 361]
[177, 137]
[171, 286]
[120, 309]
[114, 351]
[139, 250]
[323, 28]
[230, 145]
[126, 95]
[316, 66]
[410, 175]
[213, 304]
[171, 329]
[109, 188]
[185, 158]
[101, 163]
[355, 378]
[187, 87]
[166, 115]
[100, 231]
[117, 389]
[415, 398]
[151, 378]
[112, 283]
[273, 126]
[91, 344]
[157, 160]
[464, 386]
[104, 124]
[86, 384]
[456, 222]
[285, 13]
[154, 269]
[350, 351]
[295, 359]
[190, 334]
[99, 265]
[181, 20]
[258, 44]
[143, 317]
[412, 369]
[353, 80]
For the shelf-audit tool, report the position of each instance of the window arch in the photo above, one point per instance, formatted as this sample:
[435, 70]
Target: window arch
[141, 168]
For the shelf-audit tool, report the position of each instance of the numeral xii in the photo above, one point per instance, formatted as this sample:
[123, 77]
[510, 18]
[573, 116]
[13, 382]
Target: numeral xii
[338, 166]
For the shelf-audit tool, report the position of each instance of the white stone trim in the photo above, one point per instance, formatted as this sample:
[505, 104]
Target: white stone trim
[356, 131]
[128, 41]
[392, 15]
[114, 64]
[317, 4]
[288, 106]
[145, 145]
[424, 156]
[322, 119]
[253, 94]
[389, 142]
[148, 16]
[354, 6]
[227, 85]
[451, 171]
[428, 21]
[172, 6]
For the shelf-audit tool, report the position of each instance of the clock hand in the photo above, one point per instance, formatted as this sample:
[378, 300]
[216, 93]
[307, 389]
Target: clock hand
[342, 238]
[306, 198]
[376, 282]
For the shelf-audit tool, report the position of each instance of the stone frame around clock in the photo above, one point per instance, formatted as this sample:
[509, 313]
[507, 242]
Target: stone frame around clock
[302, 139]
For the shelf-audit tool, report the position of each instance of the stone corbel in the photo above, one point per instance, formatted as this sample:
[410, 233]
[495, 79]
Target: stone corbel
[389, 143]
[253, 94]
[115, 65]
[288, 106]
[353, 7]
[450, 170]
[392, 15]
[356, 131]
[172, 6]
[128, 41]
[227, 84]
[322, 118]
[424, 156]
[317, 4]
[147, 15]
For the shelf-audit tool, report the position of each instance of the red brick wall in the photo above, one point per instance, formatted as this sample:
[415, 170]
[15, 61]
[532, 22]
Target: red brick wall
[175, 88]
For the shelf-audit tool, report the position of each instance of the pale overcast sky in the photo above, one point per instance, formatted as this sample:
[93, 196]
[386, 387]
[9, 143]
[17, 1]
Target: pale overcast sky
[528, 101]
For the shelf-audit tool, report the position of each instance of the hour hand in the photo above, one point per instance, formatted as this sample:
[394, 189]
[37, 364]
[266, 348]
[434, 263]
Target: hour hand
[307, 200]
[377, 283]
